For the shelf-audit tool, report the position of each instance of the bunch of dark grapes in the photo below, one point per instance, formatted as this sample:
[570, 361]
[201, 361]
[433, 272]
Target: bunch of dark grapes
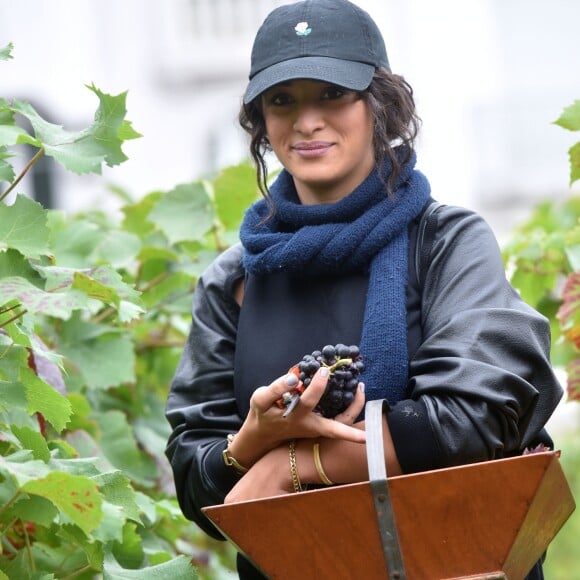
[345, 364]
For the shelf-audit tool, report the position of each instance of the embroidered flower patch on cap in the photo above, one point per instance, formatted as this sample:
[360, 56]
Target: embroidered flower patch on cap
[302, 29]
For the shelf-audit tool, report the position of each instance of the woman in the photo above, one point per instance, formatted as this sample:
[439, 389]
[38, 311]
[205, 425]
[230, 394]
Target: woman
[328, 257]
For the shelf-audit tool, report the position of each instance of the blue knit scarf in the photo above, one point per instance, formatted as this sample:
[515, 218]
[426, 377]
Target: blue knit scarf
[365, 231]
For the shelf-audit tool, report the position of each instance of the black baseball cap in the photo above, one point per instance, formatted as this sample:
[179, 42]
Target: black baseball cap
[334, 41]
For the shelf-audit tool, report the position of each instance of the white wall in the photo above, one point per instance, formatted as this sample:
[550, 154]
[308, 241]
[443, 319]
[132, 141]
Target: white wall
[489, 77]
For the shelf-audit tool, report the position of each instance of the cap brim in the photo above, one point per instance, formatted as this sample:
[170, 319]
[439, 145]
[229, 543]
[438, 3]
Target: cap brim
[356, 76]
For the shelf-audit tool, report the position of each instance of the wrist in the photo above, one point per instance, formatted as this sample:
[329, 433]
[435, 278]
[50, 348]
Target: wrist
[307, 457]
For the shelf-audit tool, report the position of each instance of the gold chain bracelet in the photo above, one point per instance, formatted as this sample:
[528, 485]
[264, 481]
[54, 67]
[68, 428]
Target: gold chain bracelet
[321, 473]
[230, 460]
[293, 469]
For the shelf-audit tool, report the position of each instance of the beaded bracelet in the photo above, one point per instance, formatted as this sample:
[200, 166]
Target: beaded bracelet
[321, 473]
[293, 469]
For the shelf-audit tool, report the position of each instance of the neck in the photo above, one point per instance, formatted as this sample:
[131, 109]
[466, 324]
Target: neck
[326, 193]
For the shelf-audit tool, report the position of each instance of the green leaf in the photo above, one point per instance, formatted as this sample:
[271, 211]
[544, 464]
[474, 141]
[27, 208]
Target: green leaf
[120, 448]
[570, 117]
[94, 551]
[33, 508]
[42, 398]
[21, 468]
[115, 487]
[118, 248]
[5, 53]
[73, 244]
[95, 289]
[129, 553]
[77, 496]
[574, 154]
[21, 387]
[573, 255]
[85, 151]
[234, 190]
[13, 263]
[103, 363]
[111, 528]
[6, 170]
[33, 440]
[179, 567]
[184, 214]
[136, 215]
[23, 227]
[37, 301]
[531, 286]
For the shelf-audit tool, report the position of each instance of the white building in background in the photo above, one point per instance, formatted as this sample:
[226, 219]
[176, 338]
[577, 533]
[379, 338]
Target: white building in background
[489, 76]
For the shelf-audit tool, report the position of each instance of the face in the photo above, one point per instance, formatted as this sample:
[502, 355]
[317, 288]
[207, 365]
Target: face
[323, 135]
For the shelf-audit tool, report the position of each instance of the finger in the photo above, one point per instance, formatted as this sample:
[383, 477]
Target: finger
[350, 414]
[264, 397]
[316, 388]
[335, 430]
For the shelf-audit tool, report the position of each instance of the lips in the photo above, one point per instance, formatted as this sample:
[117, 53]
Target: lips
[311, 148]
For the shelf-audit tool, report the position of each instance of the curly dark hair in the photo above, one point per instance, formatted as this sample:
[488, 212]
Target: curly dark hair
[396, 125]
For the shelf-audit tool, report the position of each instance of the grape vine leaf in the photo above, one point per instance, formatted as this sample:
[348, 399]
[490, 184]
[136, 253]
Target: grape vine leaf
[33, 509]
[115, 487]
[6, 170]
[83, 151]
[43, 398]
[120, 448]
[77, 496]
[23, 227]
[73, 243]
[35, 300]
[177, 567]
[574, 155]
[111, 528]
[13, 263]
[234, 190]
[184, 214]
[135, 220]
[5, 52]
[89, 355]
[130, 553]
[570, 117]
[33, 440]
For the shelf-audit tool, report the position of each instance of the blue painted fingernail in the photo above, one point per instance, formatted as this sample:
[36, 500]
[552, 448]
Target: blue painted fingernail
[323, 372]
[291, 379]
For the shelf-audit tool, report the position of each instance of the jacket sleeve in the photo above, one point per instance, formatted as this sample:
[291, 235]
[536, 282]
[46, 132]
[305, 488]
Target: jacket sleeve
[201, 407]
[481, 384]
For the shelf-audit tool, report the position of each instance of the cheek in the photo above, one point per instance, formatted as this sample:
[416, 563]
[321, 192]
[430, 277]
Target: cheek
[274, 127]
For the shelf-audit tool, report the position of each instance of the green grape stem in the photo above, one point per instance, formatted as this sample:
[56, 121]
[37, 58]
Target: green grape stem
[339, 363]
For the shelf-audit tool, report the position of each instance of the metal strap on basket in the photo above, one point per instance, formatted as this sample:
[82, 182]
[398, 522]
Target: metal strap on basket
[380, 490]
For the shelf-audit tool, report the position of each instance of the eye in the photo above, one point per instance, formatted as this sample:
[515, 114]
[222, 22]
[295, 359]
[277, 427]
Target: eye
[333, 92]
[279, 99]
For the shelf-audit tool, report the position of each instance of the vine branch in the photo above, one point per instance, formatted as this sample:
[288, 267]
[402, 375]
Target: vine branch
[36, 157]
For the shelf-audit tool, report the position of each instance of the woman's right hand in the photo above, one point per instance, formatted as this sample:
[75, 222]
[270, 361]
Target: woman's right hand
[265, 426]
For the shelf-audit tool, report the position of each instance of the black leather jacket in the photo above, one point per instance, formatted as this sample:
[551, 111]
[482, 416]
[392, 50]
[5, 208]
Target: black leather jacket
[481, 385]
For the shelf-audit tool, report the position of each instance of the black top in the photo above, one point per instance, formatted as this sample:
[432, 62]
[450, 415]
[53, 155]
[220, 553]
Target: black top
[480, 381]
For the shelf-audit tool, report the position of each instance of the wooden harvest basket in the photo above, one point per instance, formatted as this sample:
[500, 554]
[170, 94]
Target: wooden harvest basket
[485, 520]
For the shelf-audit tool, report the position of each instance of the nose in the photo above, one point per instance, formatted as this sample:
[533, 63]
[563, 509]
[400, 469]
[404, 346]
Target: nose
[308, 120]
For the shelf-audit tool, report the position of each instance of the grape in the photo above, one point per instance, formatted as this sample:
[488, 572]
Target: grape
[345, 364]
